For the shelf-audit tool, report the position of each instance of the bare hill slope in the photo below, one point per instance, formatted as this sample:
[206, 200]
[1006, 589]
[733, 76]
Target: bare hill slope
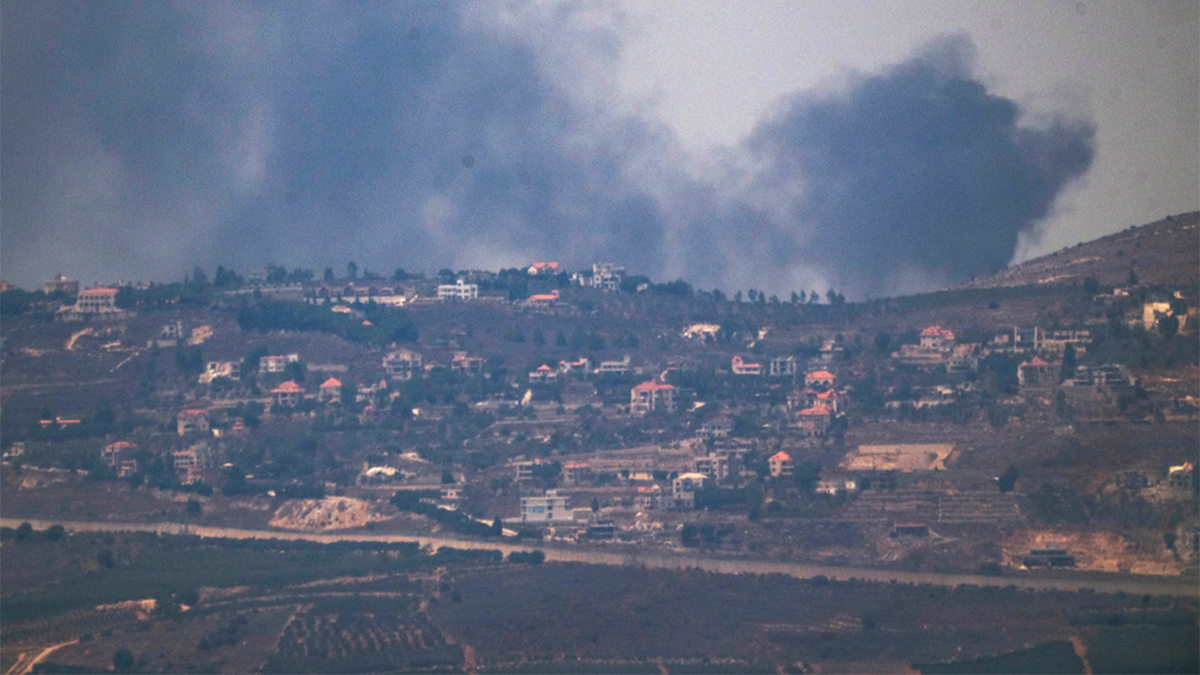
[1164, 252]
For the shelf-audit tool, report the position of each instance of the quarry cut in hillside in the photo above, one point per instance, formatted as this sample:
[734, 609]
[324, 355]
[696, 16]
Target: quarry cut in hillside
[331, 513]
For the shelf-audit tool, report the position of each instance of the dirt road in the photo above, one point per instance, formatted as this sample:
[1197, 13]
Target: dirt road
[1103, 584]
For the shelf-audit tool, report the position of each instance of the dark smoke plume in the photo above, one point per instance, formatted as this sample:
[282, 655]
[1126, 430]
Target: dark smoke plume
[916, 176]
[142, 139]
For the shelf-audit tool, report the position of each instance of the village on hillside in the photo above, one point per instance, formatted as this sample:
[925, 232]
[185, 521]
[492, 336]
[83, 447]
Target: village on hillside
[981, 431]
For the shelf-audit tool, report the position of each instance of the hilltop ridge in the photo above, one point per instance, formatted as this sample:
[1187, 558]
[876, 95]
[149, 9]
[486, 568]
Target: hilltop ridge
[1162, 252]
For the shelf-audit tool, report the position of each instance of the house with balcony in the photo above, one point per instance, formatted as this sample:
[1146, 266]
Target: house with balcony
[651, 396]
[550, 508]
[288, 394]
[458, 291]
[402, 364]
[781, 465]
[330, 391]
[192, 422]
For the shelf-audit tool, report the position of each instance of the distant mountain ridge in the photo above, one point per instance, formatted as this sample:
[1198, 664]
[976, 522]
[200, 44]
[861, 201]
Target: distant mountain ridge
[1162, 252]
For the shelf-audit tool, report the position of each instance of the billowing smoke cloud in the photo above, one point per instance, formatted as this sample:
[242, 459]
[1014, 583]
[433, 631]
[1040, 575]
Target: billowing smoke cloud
[915, 177]
[142, 139]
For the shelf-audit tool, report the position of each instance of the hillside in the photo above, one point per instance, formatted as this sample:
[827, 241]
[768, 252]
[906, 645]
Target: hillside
[1164, 252]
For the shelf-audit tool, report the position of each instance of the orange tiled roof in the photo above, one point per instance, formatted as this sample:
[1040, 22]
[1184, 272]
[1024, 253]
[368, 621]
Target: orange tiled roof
[99, 291]
[288, 387]
[815, 411]
[331, 382]
[780, 456]
[652, 386]
[821, 375]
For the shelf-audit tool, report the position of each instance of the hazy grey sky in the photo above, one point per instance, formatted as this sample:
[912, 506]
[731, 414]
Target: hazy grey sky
[713, 69]
[876, 147]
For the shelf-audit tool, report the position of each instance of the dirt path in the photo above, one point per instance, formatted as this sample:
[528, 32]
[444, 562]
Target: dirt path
[1081, 652]
[23, 666]
[1163, 586]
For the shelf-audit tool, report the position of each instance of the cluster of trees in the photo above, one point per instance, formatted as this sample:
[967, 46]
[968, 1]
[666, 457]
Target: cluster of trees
[413, 502]
[380, 327]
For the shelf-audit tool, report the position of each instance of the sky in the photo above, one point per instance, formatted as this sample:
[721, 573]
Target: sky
[877, 148]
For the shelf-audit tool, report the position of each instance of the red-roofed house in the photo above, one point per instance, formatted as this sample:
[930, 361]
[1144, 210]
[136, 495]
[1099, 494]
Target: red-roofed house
[543, 301]
[829, 399]
[820, 378]
[120, 458]
[330, 391]
[937, 339]
[1036, 372]
[740, 367]
[289, 393]
[543, 373]
[781, 465]
[539, 268]
[814, 421]
[650, 396]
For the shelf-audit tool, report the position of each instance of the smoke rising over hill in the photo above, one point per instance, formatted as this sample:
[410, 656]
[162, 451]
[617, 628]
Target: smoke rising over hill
[140, 140]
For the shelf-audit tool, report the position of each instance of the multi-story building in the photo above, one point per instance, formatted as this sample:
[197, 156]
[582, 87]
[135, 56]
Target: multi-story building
[651, 396]
[459, 290]
[288, 394]
[61, 284]
[330, 391]
[467, 365]
[781, 465]
[684, 489]
[277, 363]
[402, 364]
[96, 301]
[192, 422]
[783, 366]
[551, 508]
[120, 458]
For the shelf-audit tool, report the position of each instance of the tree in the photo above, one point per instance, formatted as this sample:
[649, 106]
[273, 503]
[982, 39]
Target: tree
[497, 526]
[123, 659]
[1068, 364]
[1008, 479]
[23, 531]
[55, 532]
[595, 504]
[328, 274]
[199, 276]
[105, 559]
[1168, 326]
[352, 270]
[689, 535]
[1091, 285]
[294, 371]
[194, 508]
[1133, 277]
[447, 477]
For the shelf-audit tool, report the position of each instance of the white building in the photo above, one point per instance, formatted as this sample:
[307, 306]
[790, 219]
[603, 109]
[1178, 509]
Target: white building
[459, 290]
[552, 508]
[605, 276]
[276, 364]
[402, 364]
[96, 301]
[685, 487]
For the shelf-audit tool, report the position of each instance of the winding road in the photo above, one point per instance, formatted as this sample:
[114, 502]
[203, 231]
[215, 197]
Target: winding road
[1147, 585]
